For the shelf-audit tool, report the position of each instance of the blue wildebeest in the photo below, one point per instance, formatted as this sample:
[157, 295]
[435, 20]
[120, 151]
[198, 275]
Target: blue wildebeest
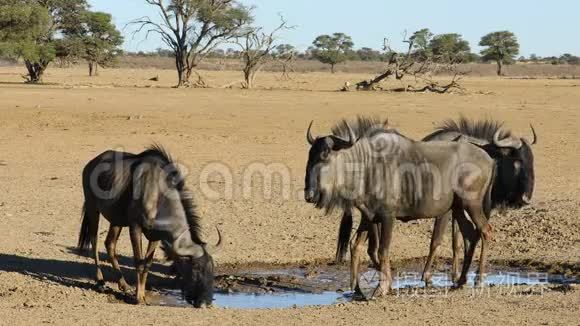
[146, 193]
[513, 185]
[389, 176]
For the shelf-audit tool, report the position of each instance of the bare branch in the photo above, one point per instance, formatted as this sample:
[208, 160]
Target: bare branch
[257, 48]
[192, 29]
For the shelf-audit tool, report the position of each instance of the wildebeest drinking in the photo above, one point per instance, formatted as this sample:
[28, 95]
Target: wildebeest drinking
[146, 193]
[393, 177]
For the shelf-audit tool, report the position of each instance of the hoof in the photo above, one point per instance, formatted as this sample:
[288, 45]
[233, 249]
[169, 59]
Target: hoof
[100, 286]
[458, 285]
[380, 292]
[140, 301]
[123, 286]
[487, 232]
[427, 280]
[455, 278]
[358, 295]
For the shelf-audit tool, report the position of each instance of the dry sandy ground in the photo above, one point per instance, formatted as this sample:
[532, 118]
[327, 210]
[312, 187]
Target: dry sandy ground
[48, 133]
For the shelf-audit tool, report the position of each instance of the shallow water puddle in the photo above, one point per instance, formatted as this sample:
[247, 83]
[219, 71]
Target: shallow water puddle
[278, 287]
[172, 298]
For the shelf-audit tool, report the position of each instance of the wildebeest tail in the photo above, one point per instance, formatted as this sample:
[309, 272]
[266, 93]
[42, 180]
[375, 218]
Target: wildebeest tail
[487, 200]
[85, 234]
[344, 235]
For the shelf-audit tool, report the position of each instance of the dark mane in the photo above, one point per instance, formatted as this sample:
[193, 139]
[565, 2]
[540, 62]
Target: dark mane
[362, 127]
[185, 195]
[483, 129]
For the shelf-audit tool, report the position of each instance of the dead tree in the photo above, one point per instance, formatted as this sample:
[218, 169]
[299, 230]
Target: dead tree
[256, 50]
[193, 29]
[285, 56]
[410, 64]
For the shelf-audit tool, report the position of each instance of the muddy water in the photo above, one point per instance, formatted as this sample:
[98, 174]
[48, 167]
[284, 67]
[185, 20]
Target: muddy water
[283, 287]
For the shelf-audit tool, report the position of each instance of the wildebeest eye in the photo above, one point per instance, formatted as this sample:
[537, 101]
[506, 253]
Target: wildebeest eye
[324, 155]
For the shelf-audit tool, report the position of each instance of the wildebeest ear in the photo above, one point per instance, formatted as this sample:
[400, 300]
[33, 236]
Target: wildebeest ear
[473, 140]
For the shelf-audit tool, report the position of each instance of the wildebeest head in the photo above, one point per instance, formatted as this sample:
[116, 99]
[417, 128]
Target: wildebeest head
[169, 215]
[515, 167]
[196, 269]
[322, 150]
[514, 182]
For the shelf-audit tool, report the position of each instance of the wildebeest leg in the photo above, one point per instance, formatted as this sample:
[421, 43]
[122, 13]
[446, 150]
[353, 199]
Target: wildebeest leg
[480, 278]
[456, 243]
[385, 279]
[478, 211]
[111, 245]
[373, 249]
[470, 239]
[344, 235]
[436, 239]
[373, 234]
[93, 216]
[148, 262]
[355, 255]
[478, 217]
[136, 233]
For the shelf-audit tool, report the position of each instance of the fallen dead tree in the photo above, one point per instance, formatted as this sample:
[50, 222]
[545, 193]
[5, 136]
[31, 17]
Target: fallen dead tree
[417, 63]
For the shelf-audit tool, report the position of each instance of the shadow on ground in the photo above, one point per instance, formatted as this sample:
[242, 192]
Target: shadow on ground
[81, 274]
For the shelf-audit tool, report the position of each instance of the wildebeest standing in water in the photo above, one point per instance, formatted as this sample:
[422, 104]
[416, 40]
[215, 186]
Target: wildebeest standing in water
[513, 185]
[146, 193]
[365, 126]
[393, 177]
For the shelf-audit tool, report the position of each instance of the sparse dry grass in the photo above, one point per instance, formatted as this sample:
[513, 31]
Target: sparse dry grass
[48, 133]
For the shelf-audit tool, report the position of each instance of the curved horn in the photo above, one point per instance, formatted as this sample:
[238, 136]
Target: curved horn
[535, 136]
[473, 140]
[309, 137]
[351, 136]
[194, 251]
[386, 123]
[506, 142]
[213, 249]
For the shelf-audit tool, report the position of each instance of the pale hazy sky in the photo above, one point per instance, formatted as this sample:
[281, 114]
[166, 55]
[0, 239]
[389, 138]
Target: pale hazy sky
[542, 27]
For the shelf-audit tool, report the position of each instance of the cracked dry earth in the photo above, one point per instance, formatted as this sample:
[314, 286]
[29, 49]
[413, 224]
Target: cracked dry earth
[48, 133]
